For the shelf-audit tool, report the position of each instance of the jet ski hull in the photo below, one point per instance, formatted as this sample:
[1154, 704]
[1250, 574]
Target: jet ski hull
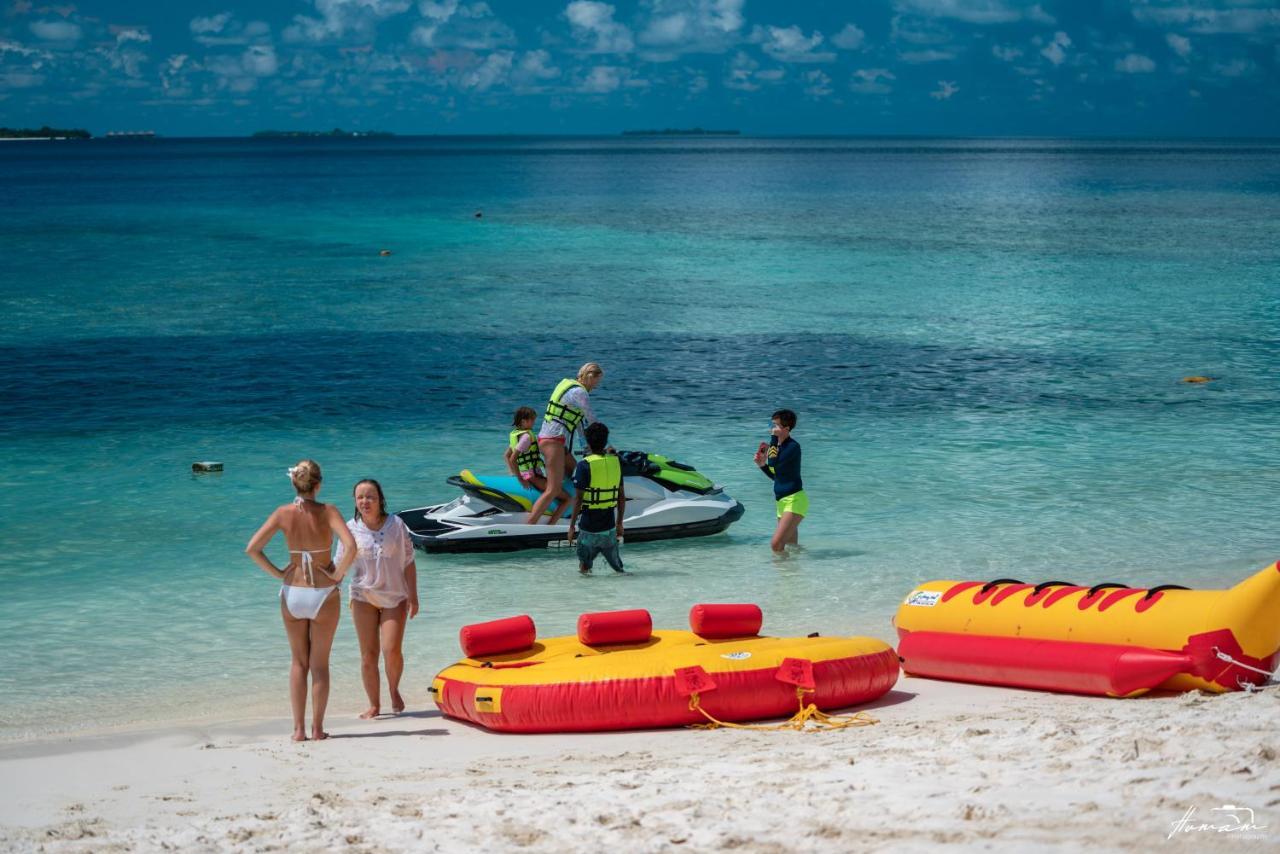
[439, 528]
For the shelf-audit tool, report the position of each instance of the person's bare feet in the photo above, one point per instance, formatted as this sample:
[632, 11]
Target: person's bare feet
[397, 703]
[318, 734]
[369, 713]
[299, 734]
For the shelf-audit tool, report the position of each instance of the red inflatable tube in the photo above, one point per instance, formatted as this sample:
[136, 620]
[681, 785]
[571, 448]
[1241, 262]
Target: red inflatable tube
[612, 627]
[496, 637]
[1064, 666]
[725, 621]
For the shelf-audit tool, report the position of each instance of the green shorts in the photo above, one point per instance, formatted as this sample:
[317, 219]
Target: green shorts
[796, 502]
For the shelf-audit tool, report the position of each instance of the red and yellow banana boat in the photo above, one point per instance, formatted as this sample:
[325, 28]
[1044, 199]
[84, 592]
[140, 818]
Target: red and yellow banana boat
[1109, 639]
[618, 673]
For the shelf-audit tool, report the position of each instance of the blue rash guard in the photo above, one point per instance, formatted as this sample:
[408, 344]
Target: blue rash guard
[782, 465]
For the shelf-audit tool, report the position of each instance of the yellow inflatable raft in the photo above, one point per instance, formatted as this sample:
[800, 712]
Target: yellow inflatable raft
[618, 673]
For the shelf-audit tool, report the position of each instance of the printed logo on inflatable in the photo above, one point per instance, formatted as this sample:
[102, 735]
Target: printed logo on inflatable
[924, 598]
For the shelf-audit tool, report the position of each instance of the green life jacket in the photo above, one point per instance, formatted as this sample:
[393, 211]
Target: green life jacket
[531, 459]
[606, 482]
[558, 412]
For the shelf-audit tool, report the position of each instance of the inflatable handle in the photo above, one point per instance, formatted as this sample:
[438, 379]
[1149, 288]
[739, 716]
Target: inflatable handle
[1093, 591]
[612, 627]
[513, 634]
[725, 621]
[996, 581]
[1043, 584]
[1161, 588]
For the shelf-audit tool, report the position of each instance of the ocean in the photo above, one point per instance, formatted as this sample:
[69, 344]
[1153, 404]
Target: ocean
[985, 341]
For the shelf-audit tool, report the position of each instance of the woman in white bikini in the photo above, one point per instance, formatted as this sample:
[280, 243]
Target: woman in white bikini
[384, 592]
[309, 595]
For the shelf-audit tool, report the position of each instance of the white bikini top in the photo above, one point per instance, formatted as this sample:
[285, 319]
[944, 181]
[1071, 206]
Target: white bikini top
[306, 553]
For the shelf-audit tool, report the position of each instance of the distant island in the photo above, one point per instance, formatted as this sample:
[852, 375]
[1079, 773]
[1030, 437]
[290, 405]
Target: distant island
[294, 134]
[681, 132]
[45, 132]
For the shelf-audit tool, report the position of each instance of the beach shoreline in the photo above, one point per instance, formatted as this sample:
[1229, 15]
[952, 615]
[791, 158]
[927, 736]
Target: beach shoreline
[947, 764]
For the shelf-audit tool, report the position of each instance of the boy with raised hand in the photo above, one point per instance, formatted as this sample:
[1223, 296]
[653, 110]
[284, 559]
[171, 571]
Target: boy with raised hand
[780, 461]
[599, 499]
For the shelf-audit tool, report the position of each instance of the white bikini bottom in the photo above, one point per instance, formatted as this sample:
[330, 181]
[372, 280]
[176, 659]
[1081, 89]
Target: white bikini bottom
[304, 603]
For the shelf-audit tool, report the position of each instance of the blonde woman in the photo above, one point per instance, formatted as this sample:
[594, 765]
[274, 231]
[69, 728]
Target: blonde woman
[568, 410]
[309, 594]
[384, 592]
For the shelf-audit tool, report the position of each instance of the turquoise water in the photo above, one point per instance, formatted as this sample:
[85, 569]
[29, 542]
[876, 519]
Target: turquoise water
[984, 341]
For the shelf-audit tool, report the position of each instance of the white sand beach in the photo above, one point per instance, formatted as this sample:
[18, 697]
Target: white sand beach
[951, 765]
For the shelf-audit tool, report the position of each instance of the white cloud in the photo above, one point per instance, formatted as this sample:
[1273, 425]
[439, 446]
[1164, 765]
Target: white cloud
[1207, 16]
[1005, 54]
[438, 11]
[21, 50]
[593, 26]
[917, 30]
[492, 71]
[602, 80]
[698, 84]
[691, 26]
[738, 75]
[340, 18]
[850, 38]
[259, 60]
[790, 44]
[535, 65]
[819, 84]
[917, 57]
[467, 27]
[1056, 50]
[771, 75]
[1135, 63]
[977, 11]
[210, 25]
[131, 34]
[56, 31]
[872, 81]
[946, 88]
[1235, 68]
[1181, 45]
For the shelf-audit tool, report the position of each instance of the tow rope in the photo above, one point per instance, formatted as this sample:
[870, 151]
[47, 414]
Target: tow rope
[800, 721]
[1248, 686]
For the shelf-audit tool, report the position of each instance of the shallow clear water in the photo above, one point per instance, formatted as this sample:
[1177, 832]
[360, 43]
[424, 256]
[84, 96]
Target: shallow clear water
[984, 341]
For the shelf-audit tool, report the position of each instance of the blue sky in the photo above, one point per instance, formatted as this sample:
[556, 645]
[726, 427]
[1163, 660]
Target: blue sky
[945, 67]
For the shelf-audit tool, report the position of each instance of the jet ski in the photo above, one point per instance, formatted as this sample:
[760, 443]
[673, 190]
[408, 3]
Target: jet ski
[665, 500]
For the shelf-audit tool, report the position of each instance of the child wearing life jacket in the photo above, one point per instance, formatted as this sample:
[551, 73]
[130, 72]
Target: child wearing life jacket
[780, 462]
[599, 503]
[524, 460]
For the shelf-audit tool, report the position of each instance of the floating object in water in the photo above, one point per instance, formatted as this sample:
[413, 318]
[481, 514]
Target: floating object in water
[206, 467]
[479, 214]
[384, 252]
[1197, 379]
[617, 673]
[1109, 639]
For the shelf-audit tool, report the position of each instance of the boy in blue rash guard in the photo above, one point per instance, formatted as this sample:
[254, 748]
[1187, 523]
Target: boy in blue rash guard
[599, 499]
[780, 462]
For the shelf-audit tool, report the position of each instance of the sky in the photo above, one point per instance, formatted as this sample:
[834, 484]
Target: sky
[769, 67]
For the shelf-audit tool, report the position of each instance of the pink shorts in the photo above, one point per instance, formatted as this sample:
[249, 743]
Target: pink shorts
[527, 476]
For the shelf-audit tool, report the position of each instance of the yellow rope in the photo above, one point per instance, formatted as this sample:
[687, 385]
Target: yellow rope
[800, 721]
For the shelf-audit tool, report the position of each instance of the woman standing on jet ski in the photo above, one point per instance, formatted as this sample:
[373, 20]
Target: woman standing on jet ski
[568, 409]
